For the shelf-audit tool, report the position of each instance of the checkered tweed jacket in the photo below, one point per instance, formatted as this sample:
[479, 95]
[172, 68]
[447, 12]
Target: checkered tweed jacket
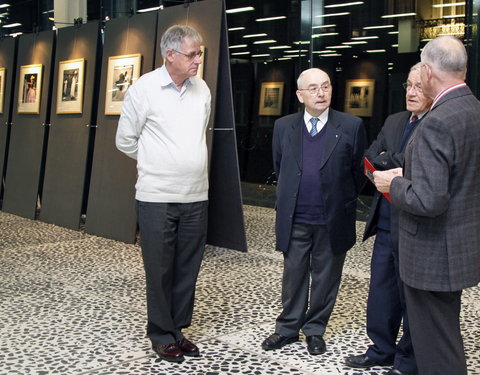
[439, 197]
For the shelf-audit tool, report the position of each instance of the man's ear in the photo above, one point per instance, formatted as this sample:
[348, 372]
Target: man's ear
[299, 96]
[170, 55]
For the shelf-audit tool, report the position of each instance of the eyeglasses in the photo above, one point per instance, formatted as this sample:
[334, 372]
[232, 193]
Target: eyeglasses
[315, 90]
[190, 56]
[407, 86]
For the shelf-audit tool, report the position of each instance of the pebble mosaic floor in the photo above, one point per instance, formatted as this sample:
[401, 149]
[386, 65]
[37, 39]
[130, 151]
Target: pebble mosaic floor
[73, 303]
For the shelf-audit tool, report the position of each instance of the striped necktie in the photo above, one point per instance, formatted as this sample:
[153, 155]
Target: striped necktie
[314, 130]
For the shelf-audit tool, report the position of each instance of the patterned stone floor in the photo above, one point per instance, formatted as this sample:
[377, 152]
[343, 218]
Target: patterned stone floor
[72, 303]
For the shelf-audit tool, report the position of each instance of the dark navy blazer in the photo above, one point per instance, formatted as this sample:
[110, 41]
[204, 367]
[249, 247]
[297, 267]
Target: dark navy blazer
[340, 170]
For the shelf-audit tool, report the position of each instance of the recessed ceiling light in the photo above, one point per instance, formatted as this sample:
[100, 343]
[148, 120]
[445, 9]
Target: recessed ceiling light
[238, 46]
[270, 18]
[399, 15]
[460, 3]
[344, 4]
[254, 35]
[376, 50]
[323, 26]
[378, 27]
[266, 41]
[323, 34]
[296, 51]
[149, 9]
[333, 14]
[12, 25]
[356, 42]
[261, 55]
[236, 28]
[365, 37]
[239, 10]
[342, 46]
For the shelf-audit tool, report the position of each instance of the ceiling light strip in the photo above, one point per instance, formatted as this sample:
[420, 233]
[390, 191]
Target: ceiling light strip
[378, 27]
[333, 14]
[270, 18]
[460, 3]
[344, 4]
[399, 15]
[239, 10]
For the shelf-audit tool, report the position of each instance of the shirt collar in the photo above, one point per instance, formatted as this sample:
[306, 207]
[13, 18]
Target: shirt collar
[166, 80]
[323, 118]
[446, 91]
[419, 116]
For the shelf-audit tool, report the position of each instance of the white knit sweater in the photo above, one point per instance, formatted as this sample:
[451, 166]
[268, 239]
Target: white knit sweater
[164, 130]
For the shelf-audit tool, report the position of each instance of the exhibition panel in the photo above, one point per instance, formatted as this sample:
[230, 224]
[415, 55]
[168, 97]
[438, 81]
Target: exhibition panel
[8, 54]
[111, 203]
[71, 132]
[30, 124]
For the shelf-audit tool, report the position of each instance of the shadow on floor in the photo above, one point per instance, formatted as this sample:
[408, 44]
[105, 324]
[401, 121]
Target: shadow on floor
[263, 195]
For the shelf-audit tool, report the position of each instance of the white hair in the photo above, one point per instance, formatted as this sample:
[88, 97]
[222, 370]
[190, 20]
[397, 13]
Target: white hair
[447, 54]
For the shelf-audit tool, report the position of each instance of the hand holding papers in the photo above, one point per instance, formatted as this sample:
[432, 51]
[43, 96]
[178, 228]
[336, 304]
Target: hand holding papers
[381, 179]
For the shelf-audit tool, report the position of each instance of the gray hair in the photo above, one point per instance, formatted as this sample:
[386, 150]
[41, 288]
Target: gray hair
[447, 54]
[175, 35]
[417, 66]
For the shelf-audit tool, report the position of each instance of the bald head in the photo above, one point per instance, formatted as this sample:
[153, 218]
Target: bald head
[307, 74]
[447, 54]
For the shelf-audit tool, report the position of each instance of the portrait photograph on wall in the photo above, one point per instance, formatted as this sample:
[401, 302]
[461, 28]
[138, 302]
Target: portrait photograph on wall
[2, 87]
[70, 86]
[271, 99]
[122, 72]
[30, 89]
[359, 94]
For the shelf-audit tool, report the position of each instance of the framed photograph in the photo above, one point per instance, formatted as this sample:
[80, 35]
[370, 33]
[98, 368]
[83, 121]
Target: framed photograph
[122, 72]
[271, 99]
[70, 86]
[29, 89]
[359, 94]
[2, 87]
[200, 67]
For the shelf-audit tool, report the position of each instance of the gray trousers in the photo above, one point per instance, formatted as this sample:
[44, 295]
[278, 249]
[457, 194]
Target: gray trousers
[172, 237]
[434, 319]
[311, 278]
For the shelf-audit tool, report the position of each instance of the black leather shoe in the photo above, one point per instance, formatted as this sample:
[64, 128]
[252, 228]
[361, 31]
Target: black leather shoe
[277, 341]
[316, 345]
[394, 371]
[363, 361]
[169, 352]
[188, 348]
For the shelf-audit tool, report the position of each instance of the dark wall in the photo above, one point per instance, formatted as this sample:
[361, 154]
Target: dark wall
[255, 131]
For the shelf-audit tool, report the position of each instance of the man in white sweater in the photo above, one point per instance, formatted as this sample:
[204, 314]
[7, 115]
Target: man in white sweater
[163, 125]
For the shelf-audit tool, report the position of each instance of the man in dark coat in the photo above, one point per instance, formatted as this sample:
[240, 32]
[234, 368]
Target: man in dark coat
[317, 156]
[439, 202]
[386, 300]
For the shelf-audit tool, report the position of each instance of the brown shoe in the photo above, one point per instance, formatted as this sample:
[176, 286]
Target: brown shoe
[169, 352]
[188, 348]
